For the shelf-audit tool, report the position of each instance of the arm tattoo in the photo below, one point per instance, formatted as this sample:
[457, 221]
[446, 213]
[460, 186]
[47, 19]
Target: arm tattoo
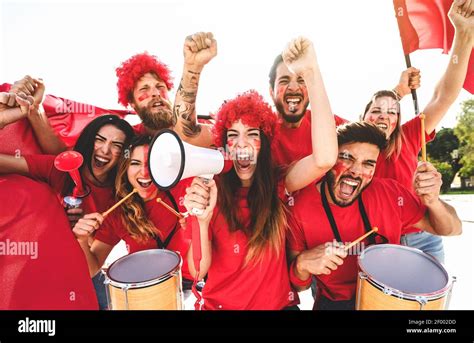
[185, 104]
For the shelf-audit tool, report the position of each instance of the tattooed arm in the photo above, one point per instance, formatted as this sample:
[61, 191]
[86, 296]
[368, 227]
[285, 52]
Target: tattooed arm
[198, 50]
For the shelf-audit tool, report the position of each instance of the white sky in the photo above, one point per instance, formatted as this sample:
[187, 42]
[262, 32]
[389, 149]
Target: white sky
[76, 46]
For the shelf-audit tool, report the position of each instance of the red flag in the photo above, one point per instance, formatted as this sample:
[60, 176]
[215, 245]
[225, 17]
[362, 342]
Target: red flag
[67, 117]
[424, 24]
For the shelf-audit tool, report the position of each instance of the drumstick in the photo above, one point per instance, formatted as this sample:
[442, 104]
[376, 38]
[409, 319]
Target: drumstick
[172, 210]
[375, 229]
[423, 138]
[106, 213]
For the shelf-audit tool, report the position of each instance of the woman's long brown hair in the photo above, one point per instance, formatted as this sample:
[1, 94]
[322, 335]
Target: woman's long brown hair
[267, 212]
[397, 137]
[134, 216]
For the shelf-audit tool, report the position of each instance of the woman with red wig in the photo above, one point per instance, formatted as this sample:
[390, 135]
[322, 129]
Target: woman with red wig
[244, 221]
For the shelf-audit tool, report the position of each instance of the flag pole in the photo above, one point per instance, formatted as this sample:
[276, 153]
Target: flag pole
[413, 91]
[417, 112]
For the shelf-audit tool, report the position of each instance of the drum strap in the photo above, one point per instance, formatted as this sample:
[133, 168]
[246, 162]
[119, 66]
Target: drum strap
[159, 242]
[332, 221]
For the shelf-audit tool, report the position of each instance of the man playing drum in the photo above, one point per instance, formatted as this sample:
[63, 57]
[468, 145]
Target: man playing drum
[348, 202]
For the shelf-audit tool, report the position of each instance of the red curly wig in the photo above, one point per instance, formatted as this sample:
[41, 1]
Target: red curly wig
[251, 108]
[133, 69]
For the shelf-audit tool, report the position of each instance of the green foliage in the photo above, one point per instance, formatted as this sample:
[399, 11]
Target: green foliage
[464, 130]
[442, 147]
[447, 174]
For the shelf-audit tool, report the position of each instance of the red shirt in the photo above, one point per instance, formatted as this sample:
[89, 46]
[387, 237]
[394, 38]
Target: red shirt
[292, 144]
[113, 228]
[389, 206]
[58, 278]
[403, 168]
[41, 168]
[139, 129]
[231, 285]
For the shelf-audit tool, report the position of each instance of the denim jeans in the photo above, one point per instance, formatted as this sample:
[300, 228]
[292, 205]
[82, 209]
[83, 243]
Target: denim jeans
[98, 281]
[426, 242]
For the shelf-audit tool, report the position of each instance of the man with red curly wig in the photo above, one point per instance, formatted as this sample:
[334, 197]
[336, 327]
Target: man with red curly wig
[144, 83]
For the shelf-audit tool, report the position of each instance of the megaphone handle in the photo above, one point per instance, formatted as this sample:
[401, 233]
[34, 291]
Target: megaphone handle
[205, 178]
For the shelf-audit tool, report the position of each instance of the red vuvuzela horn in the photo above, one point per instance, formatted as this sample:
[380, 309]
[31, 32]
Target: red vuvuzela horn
[70, 162]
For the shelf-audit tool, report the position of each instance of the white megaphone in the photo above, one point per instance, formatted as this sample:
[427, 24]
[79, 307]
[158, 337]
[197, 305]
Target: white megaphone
[171, 160]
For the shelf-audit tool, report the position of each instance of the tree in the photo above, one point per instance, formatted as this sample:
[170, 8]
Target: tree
[464, 130]
[447, 174]
[443, 153]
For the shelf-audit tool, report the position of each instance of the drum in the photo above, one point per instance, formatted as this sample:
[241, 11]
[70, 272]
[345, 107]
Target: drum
[145, 280]
[396, 277]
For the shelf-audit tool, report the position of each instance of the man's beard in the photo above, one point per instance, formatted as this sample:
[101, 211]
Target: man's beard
[289, 118]
[162, 119]
[331, 182]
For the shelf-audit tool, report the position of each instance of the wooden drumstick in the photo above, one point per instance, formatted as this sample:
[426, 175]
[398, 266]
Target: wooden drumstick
[423, 138]
[106, 213]
[375, 229]
[172, 210]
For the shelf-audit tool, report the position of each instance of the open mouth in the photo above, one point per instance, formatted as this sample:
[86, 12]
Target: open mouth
[244, 160]
[382, 126]
[293, 101]
[100, 161]
[348, 186]
[157, 104]
[144, 183]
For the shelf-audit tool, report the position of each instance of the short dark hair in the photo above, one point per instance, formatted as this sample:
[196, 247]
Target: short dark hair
[272, 73]
[361, 132]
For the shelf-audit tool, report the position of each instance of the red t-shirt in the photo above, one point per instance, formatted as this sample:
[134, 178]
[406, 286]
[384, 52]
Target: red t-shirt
[402, 169]
[139, 129]
[113, 228]
[389, 206]
[292, 144]
[232, 286]
[58, 277]
[41, 168]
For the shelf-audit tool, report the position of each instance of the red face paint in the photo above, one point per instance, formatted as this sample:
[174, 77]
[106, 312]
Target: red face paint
[146, 172]
[392, 126]
[339, 168]
[368, 175]
[143, 97]
[257, 143]
[164, 94]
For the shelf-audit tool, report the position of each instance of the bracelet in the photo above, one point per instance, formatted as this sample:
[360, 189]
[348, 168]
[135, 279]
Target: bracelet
[398, 96]
[295, 280]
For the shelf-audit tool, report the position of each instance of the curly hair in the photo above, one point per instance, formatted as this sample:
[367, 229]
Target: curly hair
[251, 108]
[133, 69]
[268, 223]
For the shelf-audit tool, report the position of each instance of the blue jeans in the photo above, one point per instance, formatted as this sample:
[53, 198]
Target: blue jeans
[426, 242]
[98, 281]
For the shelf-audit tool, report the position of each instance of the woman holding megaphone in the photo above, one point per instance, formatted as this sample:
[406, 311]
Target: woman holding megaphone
[244, 221]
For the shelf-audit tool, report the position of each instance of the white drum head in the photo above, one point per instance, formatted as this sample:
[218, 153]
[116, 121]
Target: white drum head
[143, 266]
[405, 269]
